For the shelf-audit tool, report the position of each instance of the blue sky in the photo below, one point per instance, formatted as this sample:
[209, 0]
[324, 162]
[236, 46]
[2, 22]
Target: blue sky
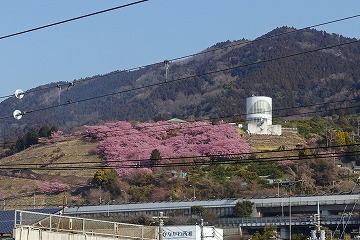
[142, 34]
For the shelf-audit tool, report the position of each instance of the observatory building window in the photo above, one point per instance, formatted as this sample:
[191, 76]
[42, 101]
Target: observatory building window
[258, 120]
[260, 106]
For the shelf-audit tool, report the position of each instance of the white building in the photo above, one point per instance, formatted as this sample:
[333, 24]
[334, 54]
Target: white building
[191, 232]
[259, 116]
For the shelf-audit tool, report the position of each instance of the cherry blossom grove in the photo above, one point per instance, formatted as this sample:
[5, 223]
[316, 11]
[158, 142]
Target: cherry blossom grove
[122, 142]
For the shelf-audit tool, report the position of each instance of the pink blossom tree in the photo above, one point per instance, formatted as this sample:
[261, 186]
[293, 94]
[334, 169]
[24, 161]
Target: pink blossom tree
[53, 187]
[125, 146]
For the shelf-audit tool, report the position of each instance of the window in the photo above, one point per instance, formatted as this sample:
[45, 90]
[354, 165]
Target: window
[260, 106]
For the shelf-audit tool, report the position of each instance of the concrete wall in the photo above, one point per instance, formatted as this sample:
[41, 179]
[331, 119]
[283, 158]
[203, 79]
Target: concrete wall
[28, 233]
[254, 128]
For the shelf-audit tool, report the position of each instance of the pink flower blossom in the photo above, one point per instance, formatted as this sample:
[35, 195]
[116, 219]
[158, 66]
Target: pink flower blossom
[53, 187]
[125, 145]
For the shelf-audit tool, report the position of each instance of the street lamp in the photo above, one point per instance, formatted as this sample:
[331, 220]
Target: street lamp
[194, 195]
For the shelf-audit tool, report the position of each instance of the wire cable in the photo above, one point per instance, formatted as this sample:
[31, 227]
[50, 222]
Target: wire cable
[343, 215]
[269, 37]
[175, 126]
[200, 160]
[62, 22]
[191, 55]
[241, 155]
[348, 220]
[72, 19]
[190, 77]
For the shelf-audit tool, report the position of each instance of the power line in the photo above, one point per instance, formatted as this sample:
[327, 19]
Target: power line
[269, 37]
[175, 126]
[72, 19]
[199, 160]
[182, 164]
[187, 56]
[190, 77]
[62, 22]
[218, 49]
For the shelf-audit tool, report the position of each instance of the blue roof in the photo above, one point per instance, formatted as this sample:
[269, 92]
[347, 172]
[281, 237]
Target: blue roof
[7, 218]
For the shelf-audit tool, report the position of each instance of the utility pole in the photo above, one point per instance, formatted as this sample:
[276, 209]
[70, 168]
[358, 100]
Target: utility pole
[290, 217]
[202, 229]
[194, 192]
[64, 203]
[108, 206]
[318, 228]
[125, 195]
[167, 65]
[161, 218]
[317, 234]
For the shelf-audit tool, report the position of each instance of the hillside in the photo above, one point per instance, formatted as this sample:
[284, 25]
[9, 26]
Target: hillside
[60, 170]
[288, 140]
[210, 85]
[36, 164]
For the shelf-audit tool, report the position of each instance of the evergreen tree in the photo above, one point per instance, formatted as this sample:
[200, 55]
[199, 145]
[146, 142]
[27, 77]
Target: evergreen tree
[44, 131]
[31, 138]
[243, 209]
[268, 233]
[155, 157]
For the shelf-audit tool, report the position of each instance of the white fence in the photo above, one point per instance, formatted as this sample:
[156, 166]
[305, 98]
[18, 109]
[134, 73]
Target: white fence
[36, 226]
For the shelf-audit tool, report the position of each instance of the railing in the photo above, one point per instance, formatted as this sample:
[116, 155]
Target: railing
[286, 220]
[52, 222]
[278, 201]
[285, 129]
[298, 201]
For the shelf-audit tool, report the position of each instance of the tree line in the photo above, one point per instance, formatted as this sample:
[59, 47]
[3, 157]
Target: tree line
[30, 138]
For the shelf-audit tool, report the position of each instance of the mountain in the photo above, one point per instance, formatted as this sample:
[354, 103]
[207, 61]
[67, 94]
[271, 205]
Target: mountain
[212, 84]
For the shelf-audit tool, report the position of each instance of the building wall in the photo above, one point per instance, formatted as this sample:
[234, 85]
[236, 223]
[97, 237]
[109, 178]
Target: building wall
[28, 233]
[254, 128]
[186, 232]
[259, 109]
[259, 116]
[191, 232]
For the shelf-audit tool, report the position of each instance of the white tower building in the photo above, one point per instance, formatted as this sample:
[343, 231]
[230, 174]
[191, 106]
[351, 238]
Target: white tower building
[259, 116]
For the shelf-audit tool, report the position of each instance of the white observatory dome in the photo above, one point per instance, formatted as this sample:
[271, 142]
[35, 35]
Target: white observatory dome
[259, 110]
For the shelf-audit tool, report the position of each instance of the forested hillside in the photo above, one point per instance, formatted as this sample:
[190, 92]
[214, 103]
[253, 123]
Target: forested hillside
[212, 84]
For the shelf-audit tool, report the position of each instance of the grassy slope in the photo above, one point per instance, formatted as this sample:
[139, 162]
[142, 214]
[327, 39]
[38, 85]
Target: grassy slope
[267, 142]
[74, 150]
[69, 150]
